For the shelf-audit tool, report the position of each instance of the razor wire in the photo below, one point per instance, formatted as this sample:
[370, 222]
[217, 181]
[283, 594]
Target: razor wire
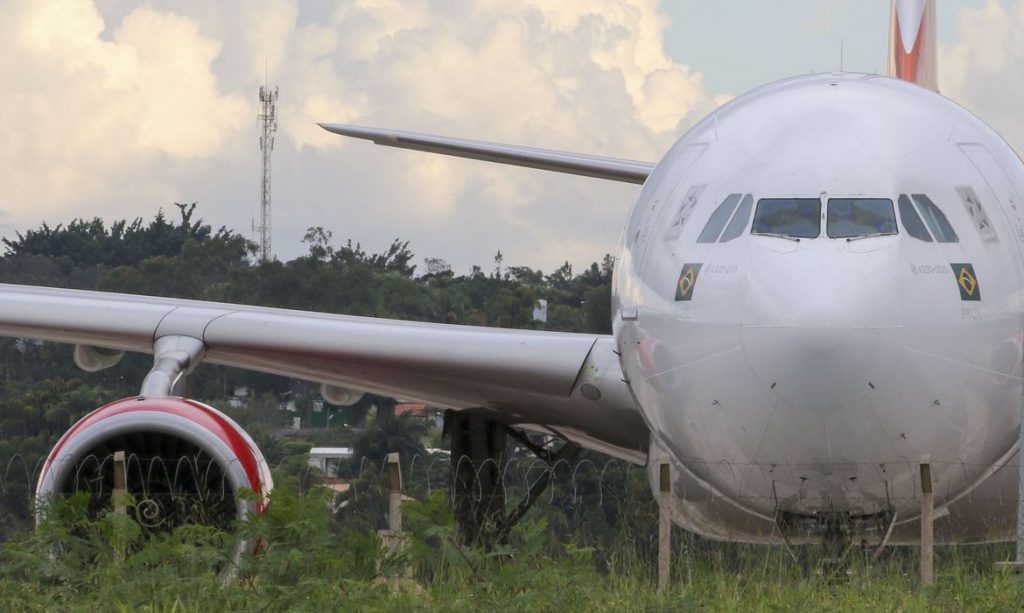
[163, 492]
[187, 488]
[429, 473]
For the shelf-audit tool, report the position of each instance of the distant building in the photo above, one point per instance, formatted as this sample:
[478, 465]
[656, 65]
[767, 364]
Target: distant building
[239, 396]
[327, 459]
[411, 408]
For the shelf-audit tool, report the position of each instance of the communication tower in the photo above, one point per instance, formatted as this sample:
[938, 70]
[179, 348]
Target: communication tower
[268, 125]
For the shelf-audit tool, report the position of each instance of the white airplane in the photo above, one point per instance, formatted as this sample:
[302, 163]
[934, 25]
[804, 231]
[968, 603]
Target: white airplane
[818, 288]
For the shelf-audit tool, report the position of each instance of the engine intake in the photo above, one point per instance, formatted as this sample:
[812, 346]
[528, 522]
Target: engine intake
[185, 462]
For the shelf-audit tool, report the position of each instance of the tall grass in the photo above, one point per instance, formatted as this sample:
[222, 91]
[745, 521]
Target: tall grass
[314, 560]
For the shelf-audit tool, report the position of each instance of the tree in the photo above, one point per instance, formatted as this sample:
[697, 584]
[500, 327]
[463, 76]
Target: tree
[437, 266]
[319, 241]
[390, 433]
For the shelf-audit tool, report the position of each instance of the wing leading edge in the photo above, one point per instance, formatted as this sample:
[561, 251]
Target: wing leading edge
[613, 169]
[526, 377]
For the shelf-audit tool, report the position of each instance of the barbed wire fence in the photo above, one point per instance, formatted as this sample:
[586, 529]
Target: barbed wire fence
[427, 472]
[172, 491]
[587, 496]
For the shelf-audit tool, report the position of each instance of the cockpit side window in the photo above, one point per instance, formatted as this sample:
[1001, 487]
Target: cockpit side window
[859, 217]
[788, 217]
[718, 219]
[936, 219]
[739, 222]
[912, 221]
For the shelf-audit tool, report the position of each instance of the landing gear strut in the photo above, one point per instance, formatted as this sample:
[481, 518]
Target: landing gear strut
[478, 461]
[476, 479]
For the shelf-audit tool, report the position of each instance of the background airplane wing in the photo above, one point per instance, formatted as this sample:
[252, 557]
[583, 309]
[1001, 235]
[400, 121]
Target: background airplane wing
[569, 383]
[614, 169]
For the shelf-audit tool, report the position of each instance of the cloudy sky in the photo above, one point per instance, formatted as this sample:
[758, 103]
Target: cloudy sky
[115, 109]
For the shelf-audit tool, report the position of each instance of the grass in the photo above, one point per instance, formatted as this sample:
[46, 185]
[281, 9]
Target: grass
[547, 588]
[316, 561]
[175, 576]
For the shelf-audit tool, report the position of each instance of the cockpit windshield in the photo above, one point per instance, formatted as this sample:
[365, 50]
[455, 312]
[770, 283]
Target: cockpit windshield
[788, 217]
[936, 219]
[860, 217]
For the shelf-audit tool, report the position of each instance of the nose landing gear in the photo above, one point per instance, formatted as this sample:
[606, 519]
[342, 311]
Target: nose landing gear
[835, 530]
[835, 541]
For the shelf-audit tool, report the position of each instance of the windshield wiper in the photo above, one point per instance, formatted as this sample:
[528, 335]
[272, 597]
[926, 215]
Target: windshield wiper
[850, 239]
[785, 236]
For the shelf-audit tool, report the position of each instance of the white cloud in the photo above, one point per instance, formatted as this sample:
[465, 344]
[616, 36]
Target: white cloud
[117, 109]
[85, 115]
[584, 76]
[117, 106]
[983, 68]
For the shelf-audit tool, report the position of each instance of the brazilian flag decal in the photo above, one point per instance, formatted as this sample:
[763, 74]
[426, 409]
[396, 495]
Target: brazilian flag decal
[967, 281]
[687, 279]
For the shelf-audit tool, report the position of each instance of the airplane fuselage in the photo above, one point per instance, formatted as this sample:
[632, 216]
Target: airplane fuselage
[802, 329]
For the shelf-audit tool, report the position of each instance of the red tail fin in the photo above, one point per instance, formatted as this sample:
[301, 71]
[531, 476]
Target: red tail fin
[912, 42]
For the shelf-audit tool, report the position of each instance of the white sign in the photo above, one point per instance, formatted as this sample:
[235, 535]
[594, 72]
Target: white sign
[540, 312]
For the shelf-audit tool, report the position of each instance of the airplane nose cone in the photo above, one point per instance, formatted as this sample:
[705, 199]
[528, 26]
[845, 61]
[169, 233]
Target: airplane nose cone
[822, 325]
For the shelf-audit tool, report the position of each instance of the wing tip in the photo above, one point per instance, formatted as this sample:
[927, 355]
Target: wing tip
[343, 129]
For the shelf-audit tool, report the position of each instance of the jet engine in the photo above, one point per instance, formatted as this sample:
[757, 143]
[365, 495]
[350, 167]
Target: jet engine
[184, 462]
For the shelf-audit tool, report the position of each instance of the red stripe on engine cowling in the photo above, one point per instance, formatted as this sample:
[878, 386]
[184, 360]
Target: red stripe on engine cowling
[196, 412]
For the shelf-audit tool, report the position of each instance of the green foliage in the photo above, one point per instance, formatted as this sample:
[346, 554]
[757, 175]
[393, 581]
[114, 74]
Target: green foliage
[308, 559]
[79, 254]
[389, 433]
[435, 549]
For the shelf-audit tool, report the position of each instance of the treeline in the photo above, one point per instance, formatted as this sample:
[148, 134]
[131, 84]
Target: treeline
[188, 259]
[42, 392]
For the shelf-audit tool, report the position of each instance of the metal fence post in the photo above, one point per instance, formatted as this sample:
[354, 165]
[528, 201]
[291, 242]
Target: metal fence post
[1019, 561]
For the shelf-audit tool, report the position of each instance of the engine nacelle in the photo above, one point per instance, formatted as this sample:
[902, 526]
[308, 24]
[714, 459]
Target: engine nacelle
[340, 396]
[95, 359]
[185, 463]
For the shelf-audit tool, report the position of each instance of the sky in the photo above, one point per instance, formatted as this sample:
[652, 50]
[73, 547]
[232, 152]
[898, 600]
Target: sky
[117, 109]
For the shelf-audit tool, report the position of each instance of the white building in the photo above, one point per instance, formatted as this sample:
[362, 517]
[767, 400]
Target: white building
[327, 459]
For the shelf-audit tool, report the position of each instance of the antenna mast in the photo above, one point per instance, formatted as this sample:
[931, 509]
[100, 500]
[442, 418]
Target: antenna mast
[268, 125]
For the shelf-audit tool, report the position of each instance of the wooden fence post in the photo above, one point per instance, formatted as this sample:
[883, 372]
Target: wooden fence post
[927, 526]
[391, 537]
[119, 497]
[664, 527]
[1017, 565]
[395, 495]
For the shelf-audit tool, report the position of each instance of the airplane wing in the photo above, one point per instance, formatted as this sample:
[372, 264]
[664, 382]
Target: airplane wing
[570, 384]
[613, 169]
